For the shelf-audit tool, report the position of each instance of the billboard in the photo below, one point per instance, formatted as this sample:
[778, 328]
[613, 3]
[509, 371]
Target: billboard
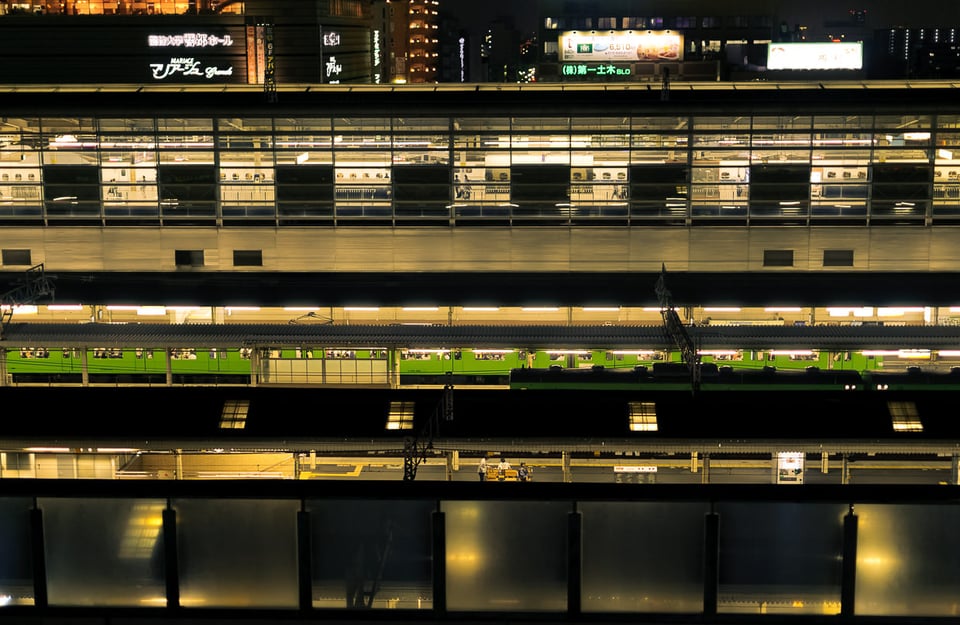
[621, 45]
[815, 56]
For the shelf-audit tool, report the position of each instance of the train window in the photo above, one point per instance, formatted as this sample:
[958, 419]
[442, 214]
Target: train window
[15, 257]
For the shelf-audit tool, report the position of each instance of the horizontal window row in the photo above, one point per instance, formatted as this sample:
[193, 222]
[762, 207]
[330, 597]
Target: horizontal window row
[266, 126]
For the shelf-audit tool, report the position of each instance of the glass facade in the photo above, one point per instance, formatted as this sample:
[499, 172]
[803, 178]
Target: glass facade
[767, 550]
[853, 169]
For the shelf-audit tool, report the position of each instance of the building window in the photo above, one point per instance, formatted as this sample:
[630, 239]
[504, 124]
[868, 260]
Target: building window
[234, 415]
[188, 258]
[643, 416]
[247, 258]
[778, 258]
[16, 257]
[838, 258]
[400, 416]
[904, 416]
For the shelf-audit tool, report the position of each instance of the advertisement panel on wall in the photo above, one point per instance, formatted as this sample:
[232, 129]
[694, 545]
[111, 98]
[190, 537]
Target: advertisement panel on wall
[831, 55]
[621, 45]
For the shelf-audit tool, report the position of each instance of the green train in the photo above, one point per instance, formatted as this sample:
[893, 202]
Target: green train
[350, 366]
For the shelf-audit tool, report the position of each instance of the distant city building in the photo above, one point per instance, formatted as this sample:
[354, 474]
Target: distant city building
[413, 30]
[629, 40]
[202, 41]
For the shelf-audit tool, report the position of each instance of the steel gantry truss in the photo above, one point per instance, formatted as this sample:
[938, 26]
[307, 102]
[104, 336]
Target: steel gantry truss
[34, 285]
[677, 332]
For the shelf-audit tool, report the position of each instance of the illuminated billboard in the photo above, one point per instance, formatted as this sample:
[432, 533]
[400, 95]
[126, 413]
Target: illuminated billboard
[621, 45]
[815, 56]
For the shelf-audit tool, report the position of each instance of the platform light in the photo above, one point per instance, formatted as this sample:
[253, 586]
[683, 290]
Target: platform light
[361, 308]
[420, 309]
[47, 450]
[493, 351]
[22, 309]
[792, 352]
[633, 352]
[601, 309]
[64, 307]
[729, 309]
[718, 352]
[783, 309]
[540, 309]
[898, 312]
[121, 308]
[151, 311]
[481, 308]
[300, 308]
[913, 353]
[948, 353]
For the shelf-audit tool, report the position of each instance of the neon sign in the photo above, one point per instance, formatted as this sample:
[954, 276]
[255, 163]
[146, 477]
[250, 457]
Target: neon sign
[187, 66]
[189, 40]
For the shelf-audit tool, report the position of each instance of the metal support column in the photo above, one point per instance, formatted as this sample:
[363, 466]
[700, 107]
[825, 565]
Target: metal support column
[178, 459]
[39, 560]
[774, 467]
[824, 462]
[711, 572]
[84, 366]
[565, 465]
[694, 461]
[439, 541]
[169, 366]
[705, 474]
[844, 469]
[848, 585]
[3, 367]
[574, 561]
[304, 572]
[955, 469]
[170, 558]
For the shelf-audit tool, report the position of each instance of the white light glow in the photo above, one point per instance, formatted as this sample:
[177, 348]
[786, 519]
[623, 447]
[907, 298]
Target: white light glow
[481, 308]
[601, 309]
[721, 309]
[783, 309]
[361, 308]
[64, 307]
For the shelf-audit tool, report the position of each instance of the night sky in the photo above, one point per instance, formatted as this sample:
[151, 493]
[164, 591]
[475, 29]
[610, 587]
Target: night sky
[476, 14]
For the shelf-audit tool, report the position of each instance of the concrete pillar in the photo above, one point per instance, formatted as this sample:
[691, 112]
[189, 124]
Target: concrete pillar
[565, 463]
[705, 474]
[84, 369]
[955, 469]
[824, 462]
[168, 365]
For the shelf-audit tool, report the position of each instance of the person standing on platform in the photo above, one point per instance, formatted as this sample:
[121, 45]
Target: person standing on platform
[482, 469]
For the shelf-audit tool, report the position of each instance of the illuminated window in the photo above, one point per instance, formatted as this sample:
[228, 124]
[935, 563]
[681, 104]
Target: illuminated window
[643, 416]
[400, 416]
[905, 416]
[142, 531]
[234, 415]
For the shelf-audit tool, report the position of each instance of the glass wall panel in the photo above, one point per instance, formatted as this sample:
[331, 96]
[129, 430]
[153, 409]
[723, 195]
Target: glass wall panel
[782, 122]
[734, 122]
[643, 557]
[540, 124]
[660, 124]
[104, 552]
[237, 553]
[245, 124]
[361, 124]
[371, 554]
[421, 124]
[481, 124]
[595, 124]
[781, 558]
[907, 561]
[302, 124]
[16, 558]
[506, 555]
[834, 122]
